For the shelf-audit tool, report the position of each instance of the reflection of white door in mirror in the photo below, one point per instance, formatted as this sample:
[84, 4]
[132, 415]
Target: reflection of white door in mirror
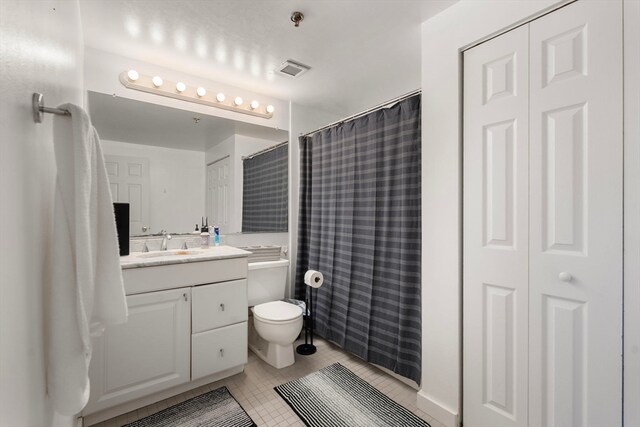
[218, 177]
[129, 183]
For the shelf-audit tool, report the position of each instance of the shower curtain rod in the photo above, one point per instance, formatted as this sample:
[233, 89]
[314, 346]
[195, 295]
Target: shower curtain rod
[369, 110]
[266, 150]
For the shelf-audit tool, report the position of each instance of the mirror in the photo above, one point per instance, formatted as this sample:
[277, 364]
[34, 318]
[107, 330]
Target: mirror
[175, 166]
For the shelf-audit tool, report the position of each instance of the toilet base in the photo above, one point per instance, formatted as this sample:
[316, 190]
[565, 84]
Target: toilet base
[278, 356]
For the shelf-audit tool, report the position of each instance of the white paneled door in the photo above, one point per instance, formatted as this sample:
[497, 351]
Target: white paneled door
[218, 181]
[129, 183]
[542, 243]
[496, 183]
[575, 294]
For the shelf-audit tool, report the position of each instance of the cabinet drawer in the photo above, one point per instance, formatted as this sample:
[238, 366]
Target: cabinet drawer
[219, 304]
[217, 350]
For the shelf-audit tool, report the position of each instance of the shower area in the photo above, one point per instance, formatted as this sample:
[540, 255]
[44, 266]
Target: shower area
[360, 225]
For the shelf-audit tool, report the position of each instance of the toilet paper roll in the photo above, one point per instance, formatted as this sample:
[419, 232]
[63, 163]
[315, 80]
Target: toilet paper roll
[313, 278]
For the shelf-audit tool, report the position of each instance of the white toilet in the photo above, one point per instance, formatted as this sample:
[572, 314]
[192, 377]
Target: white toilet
[276, 324]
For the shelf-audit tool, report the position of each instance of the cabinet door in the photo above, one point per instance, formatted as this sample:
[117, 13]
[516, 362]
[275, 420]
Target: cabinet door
[147, 354]
[495, 271]
[219, 304]
[576, 216]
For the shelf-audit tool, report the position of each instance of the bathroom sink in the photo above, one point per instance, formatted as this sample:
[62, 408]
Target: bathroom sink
[183, 252]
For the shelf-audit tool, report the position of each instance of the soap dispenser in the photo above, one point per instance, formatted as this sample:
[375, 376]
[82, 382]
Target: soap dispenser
[216, 236]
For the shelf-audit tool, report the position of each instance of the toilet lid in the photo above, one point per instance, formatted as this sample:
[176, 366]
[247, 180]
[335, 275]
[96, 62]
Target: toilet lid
[277, 311]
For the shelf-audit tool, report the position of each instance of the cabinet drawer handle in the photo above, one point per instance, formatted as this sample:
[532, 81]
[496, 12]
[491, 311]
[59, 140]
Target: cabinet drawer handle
[222, 307]
[222, 352]
[185, 296]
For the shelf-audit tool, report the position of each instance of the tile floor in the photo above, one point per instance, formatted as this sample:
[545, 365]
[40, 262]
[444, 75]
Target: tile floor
[253, 388]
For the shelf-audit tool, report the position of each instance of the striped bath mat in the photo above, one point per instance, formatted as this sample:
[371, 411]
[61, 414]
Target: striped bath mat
[215, 408]
[336, 397]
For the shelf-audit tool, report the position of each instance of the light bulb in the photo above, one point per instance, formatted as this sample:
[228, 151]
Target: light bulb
[254, 105]
[180, 87]
[132, 75]
[270, 109]
[220, 97]
[157, 81]
[201, 91]
[237, 101]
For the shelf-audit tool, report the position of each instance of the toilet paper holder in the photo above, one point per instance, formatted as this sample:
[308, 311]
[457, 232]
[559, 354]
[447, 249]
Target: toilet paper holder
[313, 279]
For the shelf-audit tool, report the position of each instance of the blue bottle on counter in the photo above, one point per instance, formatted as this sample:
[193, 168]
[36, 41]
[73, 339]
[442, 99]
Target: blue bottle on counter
[216, 236]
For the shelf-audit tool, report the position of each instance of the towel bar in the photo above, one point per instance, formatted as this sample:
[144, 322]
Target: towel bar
[37, 102]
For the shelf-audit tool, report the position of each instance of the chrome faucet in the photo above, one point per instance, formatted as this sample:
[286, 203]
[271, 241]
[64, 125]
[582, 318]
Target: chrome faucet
[165, 239]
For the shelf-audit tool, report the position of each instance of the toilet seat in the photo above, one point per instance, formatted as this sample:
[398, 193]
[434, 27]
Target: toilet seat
[277, 312]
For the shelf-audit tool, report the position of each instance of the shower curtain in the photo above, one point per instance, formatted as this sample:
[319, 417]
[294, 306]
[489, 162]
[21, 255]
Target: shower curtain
[359, 224]
[265, 189]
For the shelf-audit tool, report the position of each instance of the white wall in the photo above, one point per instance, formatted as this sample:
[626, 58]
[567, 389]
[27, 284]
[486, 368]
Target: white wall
[41, 50]
[631, 10]
[177, 190]
[220, 150]
[102, 71]
[302, 120]
[443, 38]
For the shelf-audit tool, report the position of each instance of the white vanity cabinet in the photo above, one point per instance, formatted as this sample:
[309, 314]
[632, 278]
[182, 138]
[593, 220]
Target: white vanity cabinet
[187, 327]
[149, 353]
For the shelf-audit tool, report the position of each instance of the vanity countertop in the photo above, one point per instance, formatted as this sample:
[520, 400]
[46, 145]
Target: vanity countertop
[155, 258]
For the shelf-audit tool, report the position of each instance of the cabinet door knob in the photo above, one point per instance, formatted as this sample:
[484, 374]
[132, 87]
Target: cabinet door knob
[222, 352]
[565, 277]
[222, 307]
[185, 296]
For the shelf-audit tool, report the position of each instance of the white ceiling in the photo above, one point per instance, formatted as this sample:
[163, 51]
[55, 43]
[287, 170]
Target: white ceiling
[361, 52]
[127, 120]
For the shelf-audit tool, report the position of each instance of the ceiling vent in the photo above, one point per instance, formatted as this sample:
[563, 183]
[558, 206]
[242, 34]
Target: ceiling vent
[293, 69]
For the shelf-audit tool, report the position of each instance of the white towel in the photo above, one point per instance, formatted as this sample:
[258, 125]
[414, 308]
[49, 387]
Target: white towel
[85, 292]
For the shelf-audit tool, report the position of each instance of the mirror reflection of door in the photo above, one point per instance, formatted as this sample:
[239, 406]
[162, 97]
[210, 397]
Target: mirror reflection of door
[129, 183]
[218, 177]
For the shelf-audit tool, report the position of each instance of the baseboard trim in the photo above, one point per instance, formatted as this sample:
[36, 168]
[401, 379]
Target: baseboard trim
[414, 385]
[437, 410]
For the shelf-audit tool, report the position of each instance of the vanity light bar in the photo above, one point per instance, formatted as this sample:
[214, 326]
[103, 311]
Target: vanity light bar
[199, 95]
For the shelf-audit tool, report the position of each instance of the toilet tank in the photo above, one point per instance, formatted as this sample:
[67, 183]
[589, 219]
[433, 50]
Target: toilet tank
[266, 281]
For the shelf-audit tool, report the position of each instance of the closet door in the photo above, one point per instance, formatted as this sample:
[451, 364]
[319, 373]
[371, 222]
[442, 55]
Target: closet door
[495, 300]
[218, 183]
[576, 216]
